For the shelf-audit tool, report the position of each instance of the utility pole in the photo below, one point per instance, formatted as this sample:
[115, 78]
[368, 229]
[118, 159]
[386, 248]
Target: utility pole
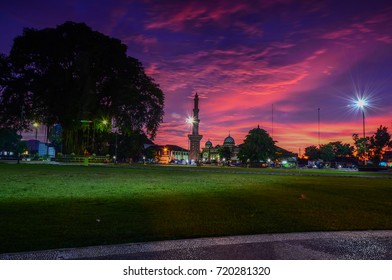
[318, 127]
[272, 117]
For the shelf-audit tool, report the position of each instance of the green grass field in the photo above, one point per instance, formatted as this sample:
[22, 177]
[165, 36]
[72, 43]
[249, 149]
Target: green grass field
[47, 206]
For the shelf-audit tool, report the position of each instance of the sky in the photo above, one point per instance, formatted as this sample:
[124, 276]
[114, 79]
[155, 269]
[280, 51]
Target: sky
[292, 67]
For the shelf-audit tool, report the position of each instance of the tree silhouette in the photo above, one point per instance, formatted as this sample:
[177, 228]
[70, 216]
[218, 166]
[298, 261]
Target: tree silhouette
[378, 142]
[258, 146]
[71, 73]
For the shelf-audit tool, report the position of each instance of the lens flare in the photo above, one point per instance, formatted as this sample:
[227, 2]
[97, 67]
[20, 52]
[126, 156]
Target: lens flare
[189, 120]
[361, 103]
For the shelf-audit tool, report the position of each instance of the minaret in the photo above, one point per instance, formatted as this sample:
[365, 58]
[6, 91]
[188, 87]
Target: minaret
[194, 138]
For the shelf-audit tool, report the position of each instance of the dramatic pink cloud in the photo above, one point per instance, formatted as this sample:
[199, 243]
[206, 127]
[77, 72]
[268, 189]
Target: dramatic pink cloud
[243, 58]
[176, 16]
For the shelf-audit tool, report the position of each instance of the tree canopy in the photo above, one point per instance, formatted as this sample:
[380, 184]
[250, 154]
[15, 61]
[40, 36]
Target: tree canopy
[71, 73]
[378, 142]
[258, 146]
[332, 151]
[8, 140]
[373, 147]
[312, 152]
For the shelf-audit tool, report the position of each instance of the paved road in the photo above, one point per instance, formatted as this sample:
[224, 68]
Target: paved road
[362, 245]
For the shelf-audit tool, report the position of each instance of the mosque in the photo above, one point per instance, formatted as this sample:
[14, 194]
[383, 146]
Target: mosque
[211, 153]
[227, 152]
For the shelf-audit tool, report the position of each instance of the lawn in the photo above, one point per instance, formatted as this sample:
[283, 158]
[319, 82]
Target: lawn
[47, 206]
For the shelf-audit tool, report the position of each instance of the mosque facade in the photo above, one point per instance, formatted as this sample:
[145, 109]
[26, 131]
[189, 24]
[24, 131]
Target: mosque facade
[225, 153]
[228, 151]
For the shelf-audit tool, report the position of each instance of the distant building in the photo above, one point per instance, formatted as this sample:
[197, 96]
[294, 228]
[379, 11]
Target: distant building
[33, 146]
[36, 147]
[211, 153]
[167, 154]
[226, 152]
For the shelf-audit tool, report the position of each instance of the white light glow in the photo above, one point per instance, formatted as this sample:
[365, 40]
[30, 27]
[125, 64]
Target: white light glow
[190, 120]
[361, 103]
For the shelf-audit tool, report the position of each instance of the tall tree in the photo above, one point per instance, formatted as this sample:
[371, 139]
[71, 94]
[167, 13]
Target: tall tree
[361, 146]
[341, 150]
[312, 152]
[71, 73]
[327, 152]
[258, 146]
[378, 142]
[9, 139]
[332, 151]
[4, 70]
[11, 107]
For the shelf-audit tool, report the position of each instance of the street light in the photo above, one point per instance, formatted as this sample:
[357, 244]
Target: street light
[36, 125]
[361, 104]
[115, 129]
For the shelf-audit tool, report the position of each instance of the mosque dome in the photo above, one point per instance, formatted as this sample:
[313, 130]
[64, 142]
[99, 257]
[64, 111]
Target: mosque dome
[208, 144]
[229, 140]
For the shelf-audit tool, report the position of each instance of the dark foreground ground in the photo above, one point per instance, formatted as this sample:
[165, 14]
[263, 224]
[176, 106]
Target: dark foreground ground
[358, 245]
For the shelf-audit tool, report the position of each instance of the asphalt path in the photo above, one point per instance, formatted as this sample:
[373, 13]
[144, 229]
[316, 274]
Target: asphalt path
[357, 245]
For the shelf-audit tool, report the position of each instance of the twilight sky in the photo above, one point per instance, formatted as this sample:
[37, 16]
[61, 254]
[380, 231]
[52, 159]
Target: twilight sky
[243, 58]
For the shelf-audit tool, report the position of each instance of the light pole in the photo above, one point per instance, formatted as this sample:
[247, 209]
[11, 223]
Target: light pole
[318, 119]
[104, 126]
[361, 104]
[115, 128]
[36, 124]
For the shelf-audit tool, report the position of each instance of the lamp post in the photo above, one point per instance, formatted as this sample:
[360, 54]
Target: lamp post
[361, 104]
[104, 128]
[36, 124]
[115, 129]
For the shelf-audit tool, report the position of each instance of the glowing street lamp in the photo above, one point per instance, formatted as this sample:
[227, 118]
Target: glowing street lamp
[361, 104]
[36, 125]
